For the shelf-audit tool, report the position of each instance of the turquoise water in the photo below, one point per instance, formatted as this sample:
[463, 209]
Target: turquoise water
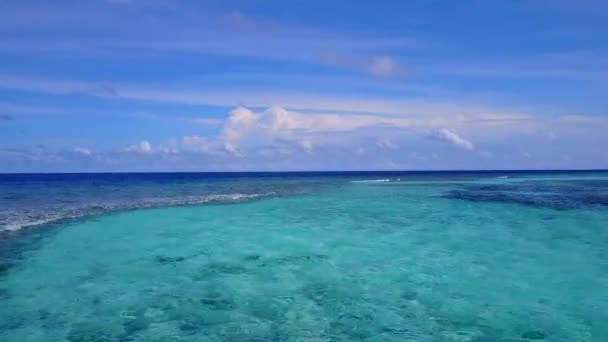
[475, 259]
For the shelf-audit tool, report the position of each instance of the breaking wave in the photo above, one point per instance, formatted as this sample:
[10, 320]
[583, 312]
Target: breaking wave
[14, 221]
[384, 180]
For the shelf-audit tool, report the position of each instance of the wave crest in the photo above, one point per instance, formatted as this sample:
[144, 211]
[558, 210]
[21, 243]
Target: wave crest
[384, 180]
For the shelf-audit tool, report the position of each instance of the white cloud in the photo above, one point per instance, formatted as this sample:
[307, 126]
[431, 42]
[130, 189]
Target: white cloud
[241, 122]
[278, 136]
[279, 119]
[246, 132]
[280, 139]
[245, 128]
[343, 112]
[276, 129]
[143, 147]
[446, 135]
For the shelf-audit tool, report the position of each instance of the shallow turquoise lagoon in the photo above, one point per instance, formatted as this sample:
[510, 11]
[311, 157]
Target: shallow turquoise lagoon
[356, 261]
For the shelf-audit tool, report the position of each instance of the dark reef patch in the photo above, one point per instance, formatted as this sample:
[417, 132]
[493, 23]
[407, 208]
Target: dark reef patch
[353, 326]
[43, 314]
[214, 269]
[533, 335]
[12, 322]
[4, 294]
[409, 295]
[133, 326]
[189, 327]
[559, 195]
[50, 320]
[4, 268]
[216, 302]
[317, 292]
[285, 260]
[165, 260]
[328, 296]
[297, 259]
[252, 257]
[393, 330]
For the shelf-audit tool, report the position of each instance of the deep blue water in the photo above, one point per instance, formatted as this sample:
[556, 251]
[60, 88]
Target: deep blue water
[32, 199]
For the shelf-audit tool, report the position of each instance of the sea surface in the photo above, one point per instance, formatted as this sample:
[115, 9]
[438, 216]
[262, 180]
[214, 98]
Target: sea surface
[360, 256]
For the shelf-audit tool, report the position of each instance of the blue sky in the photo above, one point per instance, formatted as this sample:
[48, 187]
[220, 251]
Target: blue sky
[159, 85]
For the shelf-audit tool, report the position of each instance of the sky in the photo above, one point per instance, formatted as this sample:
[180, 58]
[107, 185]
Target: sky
[160, 85]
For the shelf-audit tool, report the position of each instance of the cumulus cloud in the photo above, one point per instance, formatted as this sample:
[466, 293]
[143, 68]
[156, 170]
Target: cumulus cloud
[248, 134]
[245, 128]
[278, 135]
[448, 136]
[143, 147]
[280, 119]
[281, 139]
[276, 129]
[241, 122]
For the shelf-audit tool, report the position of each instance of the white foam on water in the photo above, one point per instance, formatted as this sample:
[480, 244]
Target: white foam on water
[384, 180]
[21, 222]
[11, 227]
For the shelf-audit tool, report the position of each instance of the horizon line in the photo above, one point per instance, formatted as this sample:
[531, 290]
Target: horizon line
[305, 171]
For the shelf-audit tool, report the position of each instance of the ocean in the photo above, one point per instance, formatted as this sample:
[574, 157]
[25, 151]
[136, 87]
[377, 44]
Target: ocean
[326, 256]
